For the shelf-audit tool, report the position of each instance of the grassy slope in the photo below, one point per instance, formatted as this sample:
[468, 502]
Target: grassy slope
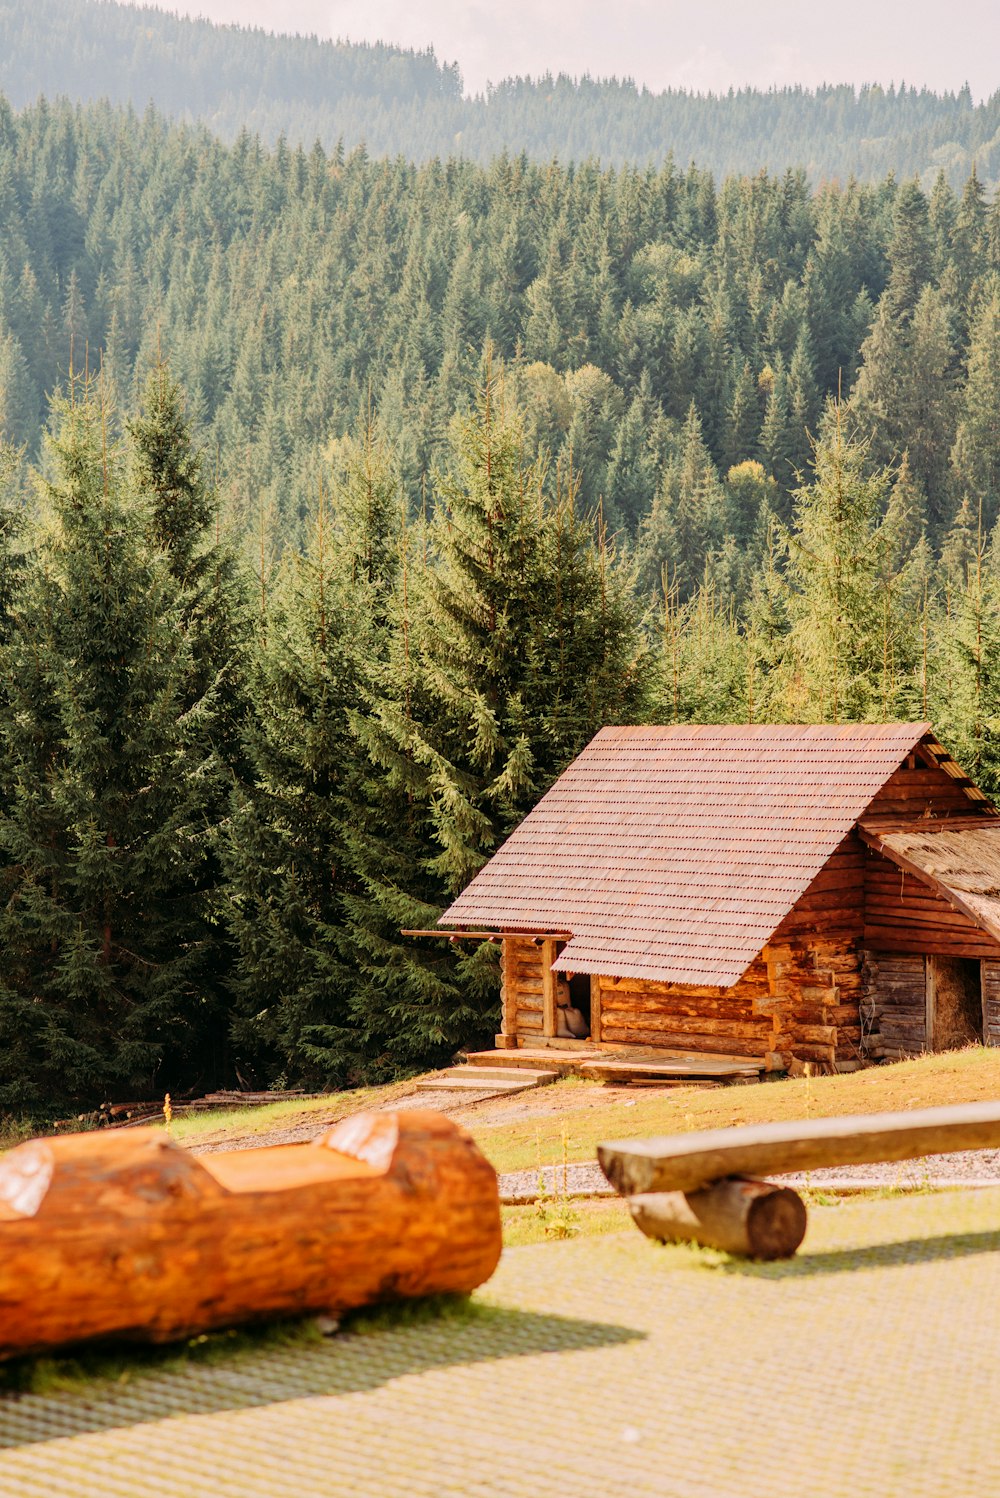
[582, 1115]
[928, 1081]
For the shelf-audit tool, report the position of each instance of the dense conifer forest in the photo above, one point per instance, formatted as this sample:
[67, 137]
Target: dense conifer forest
[407, 103]
[345, 498]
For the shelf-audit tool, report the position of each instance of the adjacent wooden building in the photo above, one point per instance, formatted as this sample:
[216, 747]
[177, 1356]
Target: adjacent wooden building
[817, 893]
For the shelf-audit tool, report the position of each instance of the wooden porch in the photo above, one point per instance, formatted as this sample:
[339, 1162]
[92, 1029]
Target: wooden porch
[601, 1062]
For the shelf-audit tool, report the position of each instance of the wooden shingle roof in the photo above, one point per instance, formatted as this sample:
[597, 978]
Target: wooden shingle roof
[674, 853]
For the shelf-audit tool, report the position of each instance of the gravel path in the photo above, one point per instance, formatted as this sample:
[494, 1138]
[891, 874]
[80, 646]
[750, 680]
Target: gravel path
[964, 1168]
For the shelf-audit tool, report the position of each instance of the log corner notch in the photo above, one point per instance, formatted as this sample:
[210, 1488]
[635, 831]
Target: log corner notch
[127, 1235]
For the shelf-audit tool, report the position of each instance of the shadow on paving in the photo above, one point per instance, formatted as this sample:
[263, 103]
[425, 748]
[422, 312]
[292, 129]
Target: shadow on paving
[902, 1254]
[353, 1362]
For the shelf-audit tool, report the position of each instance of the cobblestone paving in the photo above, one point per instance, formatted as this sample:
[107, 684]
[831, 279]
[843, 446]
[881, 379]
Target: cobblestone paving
[864, 1368]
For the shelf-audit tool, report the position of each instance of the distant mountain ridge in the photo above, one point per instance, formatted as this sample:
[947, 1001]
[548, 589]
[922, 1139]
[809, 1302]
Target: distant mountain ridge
[399, 102]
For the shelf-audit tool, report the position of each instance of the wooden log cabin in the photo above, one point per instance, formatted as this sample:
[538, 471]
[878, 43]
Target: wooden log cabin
[789, 893]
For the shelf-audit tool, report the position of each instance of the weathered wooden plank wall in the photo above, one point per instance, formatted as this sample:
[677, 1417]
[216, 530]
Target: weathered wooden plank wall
[991, 1002]
[897, 986]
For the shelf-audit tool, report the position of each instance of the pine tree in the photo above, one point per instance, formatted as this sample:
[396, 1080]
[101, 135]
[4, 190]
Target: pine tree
[285, 849]
[509, 649]
[689, 516]
[965, 685]
[845, 644]
[185, 527]
[104, 920]
[976, 457]
[910, 252]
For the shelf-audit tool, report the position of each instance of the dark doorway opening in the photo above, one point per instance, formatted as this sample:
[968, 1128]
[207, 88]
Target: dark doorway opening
[579, 994]
[954, 1002]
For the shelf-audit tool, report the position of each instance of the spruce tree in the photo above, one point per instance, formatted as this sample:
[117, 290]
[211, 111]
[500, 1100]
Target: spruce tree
[104, 921]
[185, 526]
[285, 853]
[965, 684]
[846, 647]
[514, 640]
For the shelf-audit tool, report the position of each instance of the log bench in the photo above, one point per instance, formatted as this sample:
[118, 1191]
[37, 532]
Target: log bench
[128, 1236]
[703, 1187]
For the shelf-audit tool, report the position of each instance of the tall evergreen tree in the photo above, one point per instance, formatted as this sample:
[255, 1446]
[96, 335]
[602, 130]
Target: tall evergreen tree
[846, 642]
[510, 648]
[285, 844]
[104, 920]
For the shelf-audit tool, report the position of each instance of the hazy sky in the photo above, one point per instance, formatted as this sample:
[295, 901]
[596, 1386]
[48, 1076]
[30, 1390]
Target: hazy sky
[698, 44]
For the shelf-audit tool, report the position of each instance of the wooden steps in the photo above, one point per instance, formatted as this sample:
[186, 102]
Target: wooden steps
[498, 1080]
[542, 1059]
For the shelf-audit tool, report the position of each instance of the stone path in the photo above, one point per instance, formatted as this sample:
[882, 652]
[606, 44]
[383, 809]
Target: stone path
[597, 1368]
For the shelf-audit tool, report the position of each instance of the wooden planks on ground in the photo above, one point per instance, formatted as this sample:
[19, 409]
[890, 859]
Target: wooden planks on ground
[686, 1162]
[700, 1066]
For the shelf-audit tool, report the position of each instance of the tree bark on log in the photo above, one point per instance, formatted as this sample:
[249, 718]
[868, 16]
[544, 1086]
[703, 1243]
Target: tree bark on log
[756, 1219]
[127, 1235]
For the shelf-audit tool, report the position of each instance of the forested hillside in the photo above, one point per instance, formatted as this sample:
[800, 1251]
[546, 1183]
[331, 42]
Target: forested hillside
[636, 308]
[369, 491]
[406, 103]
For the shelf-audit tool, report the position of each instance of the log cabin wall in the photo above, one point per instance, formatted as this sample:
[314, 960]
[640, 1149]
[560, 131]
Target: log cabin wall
[522, 989]
[815, 966]
[920, 787]
[904, 914]
[636, 1011]
[906, 921]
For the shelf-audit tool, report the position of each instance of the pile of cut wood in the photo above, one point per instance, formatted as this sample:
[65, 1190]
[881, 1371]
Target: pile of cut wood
[131, 1115]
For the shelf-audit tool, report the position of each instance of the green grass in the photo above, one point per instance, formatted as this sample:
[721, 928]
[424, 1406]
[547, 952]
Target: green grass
[120, 1362]
[524, 1225]
[237, 1123]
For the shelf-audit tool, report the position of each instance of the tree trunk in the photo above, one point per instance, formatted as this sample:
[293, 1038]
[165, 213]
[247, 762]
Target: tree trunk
[754, 1218]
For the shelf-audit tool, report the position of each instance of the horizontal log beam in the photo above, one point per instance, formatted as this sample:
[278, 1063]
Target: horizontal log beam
[129, 1235]
[686, 1162]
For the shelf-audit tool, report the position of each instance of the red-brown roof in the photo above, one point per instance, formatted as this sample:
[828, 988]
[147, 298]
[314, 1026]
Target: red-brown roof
[675, 853]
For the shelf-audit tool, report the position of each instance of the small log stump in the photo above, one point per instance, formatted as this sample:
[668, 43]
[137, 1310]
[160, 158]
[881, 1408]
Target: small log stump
[127, 1235]
[756, 1219]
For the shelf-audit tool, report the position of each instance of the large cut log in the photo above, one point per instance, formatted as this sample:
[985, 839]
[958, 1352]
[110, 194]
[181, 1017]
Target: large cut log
[128, 1235]
[686, 1162]
[753, 1218]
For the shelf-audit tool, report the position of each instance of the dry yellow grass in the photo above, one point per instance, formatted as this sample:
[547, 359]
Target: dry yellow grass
[536, 1139]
